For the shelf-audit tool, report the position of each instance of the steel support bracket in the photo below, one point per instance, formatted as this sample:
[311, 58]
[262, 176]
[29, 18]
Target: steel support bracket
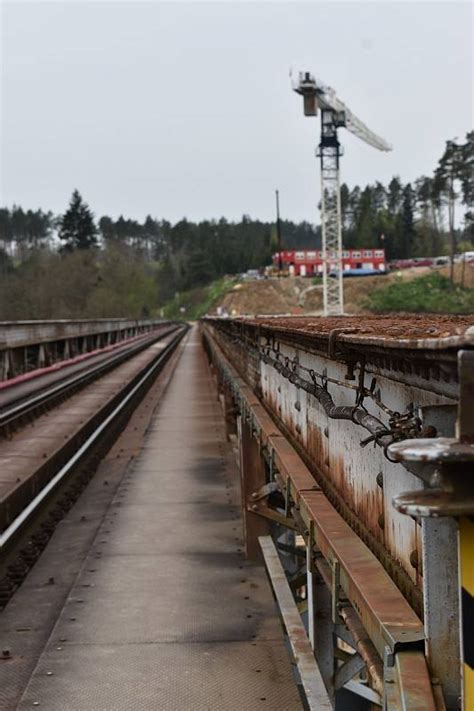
[265, 491]
[348, 670]
[272, 515]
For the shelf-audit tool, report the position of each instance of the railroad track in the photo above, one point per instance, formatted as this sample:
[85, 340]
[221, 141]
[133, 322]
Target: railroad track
[24, 399]
[61, 431]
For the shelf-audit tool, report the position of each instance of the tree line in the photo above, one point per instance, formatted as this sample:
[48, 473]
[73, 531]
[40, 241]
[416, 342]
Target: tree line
[416, 219]
[428, 217]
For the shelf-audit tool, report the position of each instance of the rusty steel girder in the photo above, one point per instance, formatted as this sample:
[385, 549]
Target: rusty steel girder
[369, 556]
[28, 345]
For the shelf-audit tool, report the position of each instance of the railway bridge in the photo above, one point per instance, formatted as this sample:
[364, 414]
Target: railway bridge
[253, 513]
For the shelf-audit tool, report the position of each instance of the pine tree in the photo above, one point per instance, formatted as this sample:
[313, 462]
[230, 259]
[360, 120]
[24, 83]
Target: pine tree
[76, 227]
[449, 173]
[408, 235]
[467, 182]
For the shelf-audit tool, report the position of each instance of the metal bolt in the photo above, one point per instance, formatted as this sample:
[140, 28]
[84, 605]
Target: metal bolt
[255, 507]
[254, 495]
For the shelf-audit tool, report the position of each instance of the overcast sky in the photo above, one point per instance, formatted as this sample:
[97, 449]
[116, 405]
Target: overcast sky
[185, 109]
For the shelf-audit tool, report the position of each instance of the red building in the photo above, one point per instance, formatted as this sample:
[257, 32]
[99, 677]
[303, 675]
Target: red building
[310, 262]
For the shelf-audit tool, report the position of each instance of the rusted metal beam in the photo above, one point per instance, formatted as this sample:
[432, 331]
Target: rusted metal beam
[271, 515]
[385, 614]
[312, 682]
[409, 688]
[364, 646]
[252, 477]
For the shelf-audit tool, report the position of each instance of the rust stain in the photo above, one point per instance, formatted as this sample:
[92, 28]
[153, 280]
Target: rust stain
[317, 447]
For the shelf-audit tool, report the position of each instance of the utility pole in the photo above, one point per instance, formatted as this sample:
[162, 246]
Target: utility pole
[334, 114]
[278, 226]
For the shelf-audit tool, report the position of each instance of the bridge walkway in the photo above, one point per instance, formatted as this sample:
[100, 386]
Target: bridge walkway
[166, 613]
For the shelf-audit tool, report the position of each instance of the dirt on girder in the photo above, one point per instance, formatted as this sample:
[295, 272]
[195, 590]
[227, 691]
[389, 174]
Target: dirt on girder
[400, 327]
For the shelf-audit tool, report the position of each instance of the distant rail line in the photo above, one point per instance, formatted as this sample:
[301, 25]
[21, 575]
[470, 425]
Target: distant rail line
[53, 453]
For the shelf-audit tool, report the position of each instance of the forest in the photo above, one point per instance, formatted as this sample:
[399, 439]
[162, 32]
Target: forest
[74, 265]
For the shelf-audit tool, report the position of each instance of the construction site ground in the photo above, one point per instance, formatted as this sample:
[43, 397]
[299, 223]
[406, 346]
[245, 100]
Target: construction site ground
[299, 295]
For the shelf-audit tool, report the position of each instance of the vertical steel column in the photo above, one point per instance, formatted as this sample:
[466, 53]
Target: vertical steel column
[441, 605]
[323, 633]
[252, 477]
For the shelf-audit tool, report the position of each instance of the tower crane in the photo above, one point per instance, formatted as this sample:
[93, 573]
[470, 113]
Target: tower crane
[334, 115]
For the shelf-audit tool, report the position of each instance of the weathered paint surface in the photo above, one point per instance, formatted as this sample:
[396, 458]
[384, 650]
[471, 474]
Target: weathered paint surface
[334, 447]
[364, 479]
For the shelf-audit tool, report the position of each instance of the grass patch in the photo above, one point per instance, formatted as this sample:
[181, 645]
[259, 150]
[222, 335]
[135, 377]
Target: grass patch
[431, 293]
[197, 302]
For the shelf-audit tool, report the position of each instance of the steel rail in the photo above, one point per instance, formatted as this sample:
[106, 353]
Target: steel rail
[16, 525]
[28, 405]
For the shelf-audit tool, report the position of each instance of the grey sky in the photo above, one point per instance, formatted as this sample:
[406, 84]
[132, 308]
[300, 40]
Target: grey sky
[180, 109]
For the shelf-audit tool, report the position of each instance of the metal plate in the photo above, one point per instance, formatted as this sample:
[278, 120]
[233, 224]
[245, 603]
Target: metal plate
[162, 677]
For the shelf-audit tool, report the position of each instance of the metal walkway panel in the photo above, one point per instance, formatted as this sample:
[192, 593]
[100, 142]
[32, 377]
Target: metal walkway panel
[166, 613]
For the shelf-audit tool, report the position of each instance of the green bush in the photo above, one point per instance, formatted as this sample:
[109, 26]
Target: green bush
[432, 293]
[197, 302]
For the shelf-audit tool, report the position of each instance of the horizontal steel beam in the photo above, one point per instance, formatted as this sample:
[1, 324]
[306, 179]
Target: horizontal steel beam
[312, 682]
[17, 334]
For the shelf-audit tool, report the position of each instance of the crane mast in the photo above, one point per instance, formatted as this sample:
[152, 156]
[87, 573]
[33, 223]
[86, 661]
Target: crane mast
[329, 152]
[334, 114]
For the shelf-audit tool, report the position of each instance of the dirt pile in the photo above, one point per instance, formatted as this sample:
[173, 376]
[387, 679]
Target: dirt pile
[299, 295]
[266, 296]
